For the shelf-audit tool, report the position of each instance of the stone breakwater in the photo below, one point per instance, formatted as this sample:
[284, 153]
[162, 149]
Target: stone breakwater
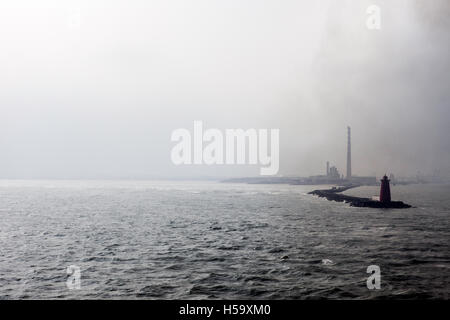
[334, 194]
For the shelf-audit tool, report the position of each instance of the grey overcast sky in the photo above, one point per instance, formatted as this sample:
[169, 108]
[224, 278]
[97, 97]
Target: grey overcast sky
[93, 89]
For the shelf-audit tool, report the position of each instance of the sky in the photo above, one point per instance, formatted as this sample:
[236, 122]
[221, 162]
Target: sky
[94, 89]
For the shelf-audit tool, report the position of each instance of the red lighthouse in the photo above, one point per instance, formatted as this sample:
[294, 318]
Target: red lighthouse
[385, 190]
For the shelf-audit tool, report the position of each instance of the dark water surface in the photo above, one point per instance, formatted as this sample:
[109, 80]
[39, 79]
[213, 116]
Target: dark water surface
[191, 240]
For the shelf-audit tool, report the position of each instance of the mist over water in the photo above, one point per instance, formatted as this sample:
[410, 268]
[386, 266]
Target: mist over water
[93, 89]
[191, 240]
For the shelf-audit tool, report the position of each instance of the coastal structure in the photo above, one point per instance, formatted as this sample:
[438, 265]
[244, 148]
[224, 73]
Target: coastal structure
[335, 194]
[385, 190]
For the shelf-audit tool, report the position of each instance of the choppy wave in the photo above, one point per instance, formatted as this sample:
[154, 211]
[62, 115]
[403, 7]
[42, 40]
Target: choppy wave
[161, 240]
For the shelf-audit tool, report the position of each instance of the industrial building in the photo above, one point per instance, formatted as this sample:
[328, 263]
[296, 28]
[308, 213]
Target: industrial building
[332, 175]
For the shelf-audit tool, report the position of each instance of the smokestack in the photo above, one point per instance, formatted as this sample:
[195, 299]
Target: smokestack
[349, 154]
[328, 168]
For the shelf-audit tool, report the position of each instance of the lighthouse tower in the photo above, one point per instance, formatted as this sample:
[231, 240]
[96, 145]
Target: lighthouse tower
[385, 190]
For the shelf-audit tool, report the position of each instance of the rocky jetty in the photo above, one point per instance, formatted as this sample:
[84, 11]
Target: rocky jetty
[334, 194]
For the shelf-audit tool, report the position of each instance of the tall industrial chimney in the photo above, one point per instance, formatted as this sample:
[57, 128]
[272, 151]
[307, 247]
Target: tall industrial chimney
[349, 154]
